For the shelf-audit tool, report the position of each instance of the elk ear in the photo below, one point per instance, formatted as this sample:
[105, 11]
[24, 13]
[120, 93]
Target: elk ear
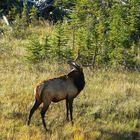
[71, 64]
[75, 66]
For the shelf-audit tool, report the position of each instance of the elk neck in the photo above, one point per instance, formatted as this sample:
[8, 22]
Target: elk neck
[78, 79]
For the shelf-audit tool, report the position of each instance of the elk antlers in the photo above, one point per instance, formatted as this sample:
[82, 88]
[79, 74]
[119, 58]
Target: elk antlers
[78, 57]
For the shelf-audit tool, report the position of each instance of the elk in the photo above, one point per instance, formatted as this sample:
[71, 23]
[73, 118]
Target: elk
[65, 87]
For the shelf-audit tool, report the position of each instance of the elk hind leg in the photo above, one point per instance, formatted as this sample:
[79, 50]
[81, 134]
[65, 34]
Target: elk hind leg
[33, 109]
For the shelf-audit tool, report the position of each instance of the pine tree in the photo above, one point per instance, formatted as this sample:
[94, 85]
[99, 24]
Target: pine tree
[25, 16]
[33, 16]
[59, 41]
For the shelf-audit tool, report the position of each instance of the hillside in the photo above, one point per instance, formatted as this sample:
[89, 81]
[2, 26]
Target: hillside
[108, 107]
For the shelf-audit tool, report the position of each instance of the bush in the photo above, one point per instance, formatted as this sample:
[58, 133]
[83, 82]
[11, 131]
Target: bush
[34, 51]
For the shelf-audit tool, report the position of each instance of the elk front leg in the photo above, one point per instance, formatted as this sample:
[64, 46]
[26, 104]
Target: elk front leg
[67, 110]
[43, 111]
[71, 109]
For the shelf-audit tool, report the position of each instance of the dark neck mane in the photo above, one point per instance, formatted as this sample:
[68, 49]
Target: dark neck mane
[78, 79]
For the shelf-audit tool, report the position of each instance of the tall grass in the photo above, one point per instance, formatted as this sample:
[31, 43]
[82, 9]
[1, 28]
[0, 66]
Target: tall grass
[108, 107]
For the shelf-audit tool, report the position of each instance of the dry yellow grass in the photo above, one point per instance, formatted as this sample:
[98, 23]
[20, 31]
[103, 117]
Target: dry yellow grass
[109, 104]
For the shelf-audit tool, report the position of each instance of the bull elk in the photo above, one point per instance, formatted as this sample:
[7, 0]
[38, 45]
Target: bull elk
[65, 87]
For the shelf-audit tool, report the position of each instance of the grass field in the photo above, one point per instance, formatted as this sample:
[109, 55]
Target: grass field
[107, 109]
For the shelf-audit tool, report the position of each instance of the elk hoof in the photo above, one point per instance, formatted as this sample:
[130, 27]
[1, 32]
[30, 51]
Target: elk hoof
[48, 131]
[72, 122]
[28, 123]
[67, 120]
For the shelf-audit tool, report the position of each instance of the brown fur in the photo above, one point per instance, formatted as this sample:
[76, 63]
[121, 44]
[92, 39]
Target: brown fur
[40, 86]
